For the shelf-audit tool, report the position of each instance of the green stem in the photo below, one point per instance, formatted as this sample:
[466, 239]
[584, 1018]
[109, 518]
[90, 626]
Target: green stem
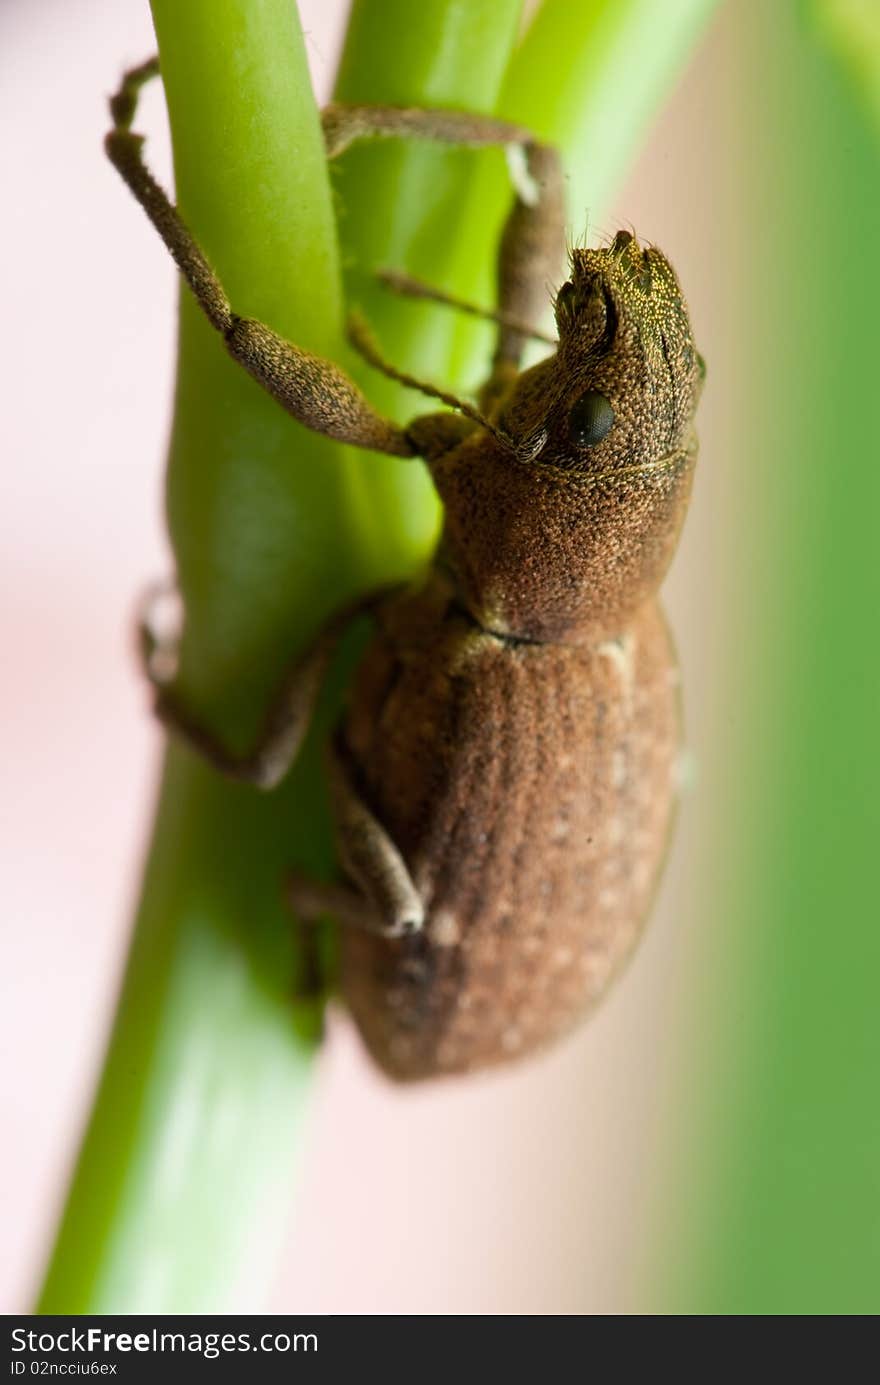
[400, 204]
[189, 1151]
[591, 76]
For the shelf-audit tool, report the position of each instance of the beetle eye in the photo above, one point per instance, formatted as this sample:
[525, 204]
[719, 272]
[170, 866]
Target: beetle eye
[590, 419]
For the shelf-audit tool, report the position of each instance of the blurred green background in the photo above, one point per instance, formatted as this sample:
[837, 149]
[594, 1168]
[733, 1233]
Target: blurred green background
[775, 1201]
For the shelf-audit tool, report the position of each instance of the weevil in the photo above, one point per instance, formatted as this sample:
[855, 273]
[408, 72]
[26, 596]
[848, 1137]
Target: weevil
[502, 781]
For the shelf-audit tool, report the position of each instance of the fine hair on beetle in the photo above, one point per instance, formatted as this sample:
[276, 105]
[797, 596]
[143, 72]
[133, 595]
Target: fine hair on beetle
[502, 780]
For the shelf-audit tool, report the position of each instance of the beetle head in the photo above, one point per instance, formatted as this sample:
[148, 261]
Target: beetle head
[574, 526]
[622, 388]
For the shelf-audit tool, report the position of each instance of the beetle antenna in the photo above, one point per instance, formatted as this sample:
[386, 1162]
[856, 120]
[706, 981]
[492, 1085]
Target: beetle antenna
[408, 287]
[365, 344]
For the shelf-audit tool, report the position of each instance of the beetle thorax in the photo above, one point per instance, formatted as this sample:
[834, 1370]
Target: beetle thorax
[537, 554]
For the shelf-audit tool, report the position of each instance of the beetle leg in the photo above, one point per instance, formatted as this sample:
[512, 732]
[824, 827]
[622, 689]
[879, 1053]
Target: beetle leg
[345, 124]
[531, 253]
[532, 247]
[313, 979]
[313, 900]
[315, 391]
[382, 897]
[408, 287]
[289, 715]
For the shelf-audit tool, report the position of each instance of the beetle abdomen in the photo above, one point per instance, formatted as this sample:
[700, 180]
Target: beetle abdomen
[529, 788]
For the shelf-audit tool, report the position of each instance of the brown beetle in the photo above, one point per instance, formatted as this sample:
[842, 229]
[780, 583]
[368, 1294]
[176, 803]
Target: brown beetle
[503, 779]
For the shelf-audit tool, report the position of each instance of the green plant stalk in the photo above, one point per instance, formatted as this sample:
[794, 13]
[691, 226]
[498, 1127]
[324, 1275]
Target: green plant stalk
[587, 77]
[400, 203]
[188, 1154]
[187, 1158]
[590, 77]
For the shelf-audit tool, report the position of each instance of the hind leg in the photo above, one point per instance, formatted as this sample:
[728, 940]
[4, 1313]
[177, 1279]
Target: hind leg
[381, 896]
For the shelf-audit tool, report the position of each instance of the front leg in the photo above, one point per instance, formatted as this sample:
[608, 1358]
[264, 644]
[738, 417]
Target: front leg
[315, 391]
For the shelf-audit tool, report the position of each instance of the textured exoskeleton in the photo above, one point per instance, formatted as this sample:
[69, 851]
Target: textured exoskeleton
[503, 779]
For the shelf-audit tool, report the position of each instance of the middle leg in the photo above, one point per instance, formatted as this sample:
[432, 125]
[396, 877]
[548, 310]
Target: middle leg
[289, 714]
